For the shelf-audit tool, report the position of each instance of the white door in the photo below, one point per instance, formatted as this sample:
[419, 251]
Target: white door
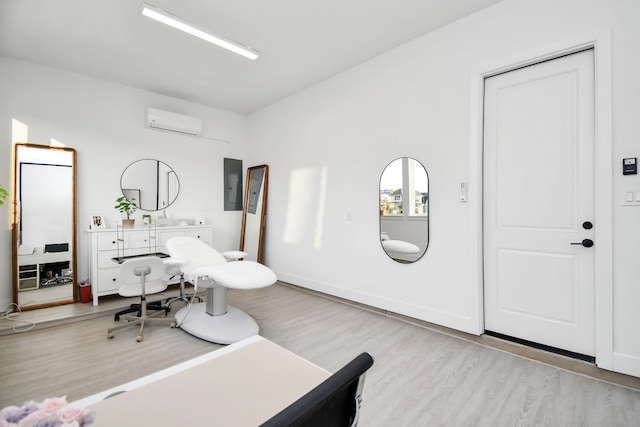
[539, 203]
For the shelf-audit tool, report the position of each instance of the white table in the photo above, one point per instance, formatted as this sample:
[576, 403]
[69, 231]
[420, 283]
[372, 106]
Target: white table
[243, 384]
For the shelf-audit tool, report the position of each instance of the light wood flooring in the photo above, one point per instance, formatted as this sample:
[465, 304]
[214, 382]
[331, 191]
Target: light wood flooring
[423, 375]
[45, 295]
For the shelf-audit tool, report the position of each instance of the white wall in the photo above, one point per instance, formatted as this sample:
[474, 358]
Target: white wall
[104, 122]
[328, 145]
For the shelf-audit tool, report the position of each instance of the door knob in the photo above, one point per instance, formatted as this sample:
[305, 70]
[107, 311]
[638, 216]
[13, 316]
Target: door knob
[587, 225]
[587, 243]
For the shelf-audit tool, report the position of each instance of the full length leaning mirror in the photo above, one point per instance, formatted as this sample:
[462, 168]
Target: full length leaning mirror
[43, 226]
[150, 184]
[404, 210]
[254, 211]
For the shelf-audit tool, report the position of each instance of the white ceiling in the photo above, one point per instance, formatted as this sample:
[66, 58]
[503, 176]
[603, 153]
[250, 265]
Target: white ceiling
[301, 42]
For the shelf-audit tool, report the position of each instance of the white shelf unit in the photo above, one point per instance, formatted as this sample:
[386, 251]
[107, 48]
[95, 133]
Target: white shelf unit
[107, 244]
[30, 267]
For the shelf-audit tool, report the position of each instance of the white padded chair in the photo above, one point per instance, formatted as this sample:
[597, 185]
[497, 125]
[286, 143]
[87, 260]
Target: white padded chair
[141, 277]
[213, 320]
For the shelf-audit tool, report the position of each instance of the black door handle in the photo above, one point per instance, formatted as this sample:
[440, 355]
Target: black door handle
[587, 243]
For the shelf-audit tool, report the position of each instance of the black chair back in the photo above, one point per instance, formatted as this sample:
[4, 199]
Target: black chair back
[335, 402]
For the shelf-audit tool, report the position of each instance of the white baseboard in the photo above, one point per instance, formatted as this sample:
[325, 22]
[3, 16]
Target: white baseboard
[427, 314]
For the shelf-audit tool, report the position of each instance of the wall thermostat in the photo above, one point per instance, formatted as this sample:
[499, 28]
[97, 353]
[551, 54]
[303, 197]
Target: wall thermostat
[630, 166]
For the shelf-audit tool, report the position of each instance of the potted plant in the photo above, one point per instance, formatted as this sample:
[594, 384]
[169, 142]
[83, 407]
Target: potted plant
[127, 207]
[3, 195]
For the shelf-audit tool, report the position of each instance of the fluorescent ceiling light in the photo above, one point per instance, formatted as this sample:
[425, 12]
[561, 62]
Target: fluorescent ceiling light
[177, 23]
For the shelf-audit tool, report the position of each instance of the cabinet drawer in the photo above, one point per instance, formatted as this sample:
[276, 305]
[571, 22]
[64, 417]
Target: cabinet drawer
[30, 267]
[108, 279]
[27, 284]
[105, 261]
[202, 235]
[163, 236]
[109, 241]
[142, 240]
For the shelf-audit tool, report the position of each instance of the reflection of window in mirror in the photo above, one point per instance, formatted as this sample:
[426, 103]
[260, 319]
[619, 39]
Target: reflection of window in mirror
[404, 173]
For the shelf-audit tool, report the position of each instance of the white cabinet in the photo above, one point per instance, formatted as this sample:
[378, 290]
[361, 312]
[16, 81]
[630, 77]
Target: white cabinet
[31, 267]
[202, 233]
[106, 245]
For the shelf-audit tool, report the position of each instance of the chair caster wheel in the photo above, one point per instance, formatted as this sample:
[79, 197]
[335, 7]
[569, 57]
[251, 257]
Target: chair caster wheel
[173, 324]
[109, 335]
[139, 338]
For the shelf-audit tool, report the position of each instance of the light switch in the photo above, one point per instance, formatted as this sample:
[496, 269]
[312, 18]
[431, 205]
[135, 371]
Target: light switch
[463, 191]
[631, 197]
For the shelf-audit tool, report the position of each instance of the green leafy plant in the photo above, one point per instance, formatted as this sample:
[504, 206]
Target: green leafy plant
[125, 206]
[3, 195]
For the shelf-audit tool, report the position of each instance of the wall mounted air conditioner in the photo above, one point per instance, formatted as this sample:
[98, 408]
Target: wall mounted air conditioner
[173, 122]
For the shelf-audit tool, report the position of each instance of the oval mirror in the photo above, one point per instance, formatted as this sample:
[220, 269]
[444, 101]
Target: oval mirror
[404, 210]
[151, 184]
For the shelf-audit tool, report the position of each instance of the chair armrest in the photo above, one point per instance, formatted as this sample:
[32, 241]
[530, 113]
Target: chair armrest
[175, 262]
[234, 255]
[174, 266]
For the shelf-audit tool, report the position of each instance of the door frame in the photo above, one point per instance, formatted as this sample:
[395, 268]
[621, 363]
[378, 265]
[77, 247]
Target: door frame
[600, 41]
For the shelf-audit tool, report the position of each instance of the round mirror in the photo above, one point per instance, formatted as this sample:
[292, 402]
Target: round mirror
[150, 184]
[404, 210]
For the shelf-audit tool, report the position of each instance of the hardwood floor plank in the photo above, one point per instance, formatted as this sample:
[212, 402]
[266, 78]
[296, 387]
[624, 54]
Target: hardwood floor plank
[420, 376]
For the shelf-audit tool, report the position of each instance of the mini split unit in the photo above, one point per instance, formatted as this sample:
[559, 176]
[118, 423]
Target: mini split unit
[173, 122]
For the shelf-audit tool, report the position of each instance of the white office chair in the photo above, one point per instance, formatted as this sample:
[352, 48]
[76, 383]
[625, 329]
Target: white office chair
[141, 277]
[213, 320]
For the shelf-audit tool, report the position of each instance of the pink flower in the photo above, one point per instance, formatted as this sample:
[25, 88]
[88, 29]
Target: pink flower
[69, 413]
[52, 405]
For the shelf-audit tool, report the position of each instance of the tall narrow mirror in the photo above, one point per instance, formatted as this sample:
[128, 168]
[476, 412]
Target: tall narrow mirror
[44, 226]
[404, 210]
[254, 211]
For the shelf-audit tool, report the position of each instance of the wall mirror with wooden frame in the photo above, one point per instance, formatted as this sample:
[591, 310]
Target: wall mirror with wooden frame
[254, 211]
[404, 210]
[43, 224]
